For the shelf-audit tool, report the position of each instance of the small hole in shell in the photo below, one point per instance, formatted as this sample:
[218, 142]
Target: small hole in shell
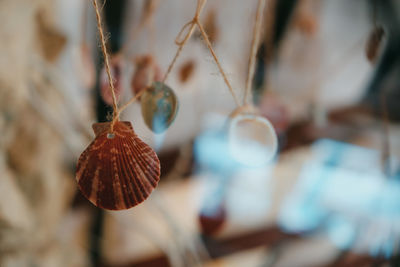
[110, 136]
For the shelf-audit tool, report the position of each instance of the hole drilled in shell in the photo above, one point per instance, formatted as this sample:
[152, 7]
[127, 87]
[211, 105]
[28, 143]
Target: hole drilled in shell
[110, 135]
[252, 140]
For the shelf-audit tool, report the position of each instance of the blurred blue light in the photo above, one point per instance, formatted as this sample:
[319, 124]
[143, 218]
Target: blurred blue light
[212, 152]
[343, 191]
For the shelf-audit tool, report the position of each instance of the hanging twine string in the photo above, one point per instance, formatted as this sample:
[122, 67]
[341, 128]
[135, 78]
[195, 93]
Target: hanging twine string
[106, 62]
[147, 19]
[254, 48]
[203, 33]
[181, 41]
[147, 16]
[133, 99]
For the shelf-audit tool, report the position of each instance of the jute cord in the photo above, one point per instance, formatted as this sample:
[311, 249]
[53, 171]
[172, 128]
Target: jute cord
[181, 41]
[254, 48]
[107, 65]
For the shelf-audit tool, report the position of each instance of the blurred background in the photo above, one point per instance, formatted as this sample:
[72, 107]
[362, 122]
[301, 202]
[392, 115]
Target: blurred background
[327, 77]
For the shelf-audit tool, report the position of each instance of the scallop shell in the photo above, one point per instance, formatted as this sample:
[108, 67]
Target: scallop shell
[159, 107]
[116, 73]
[117, 171]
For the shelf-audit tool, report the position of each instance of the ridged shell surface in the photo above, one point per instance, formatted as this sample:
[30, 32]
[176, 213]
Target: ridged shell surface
[117, 171]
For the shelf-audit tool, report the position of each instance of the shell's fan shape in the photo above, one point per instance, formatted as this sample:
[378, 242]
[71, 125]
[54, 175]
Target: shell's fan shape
[117, 170]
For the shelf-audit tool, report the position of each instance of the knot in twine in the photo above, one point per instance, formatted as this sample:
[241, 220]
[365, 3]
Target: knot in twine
[244, 109]
[181, 40]
[191, 25]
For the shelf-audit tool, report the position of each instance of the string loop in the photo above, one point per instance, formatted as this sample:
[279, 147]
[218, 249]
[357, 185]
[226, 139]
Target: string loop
[181, 41]
[178, 38]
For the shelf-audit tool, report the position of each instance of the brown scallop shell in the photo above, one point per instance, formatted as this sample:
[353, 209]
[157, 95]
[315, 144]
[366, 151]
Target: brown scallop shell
[116, 73]
[117, 171]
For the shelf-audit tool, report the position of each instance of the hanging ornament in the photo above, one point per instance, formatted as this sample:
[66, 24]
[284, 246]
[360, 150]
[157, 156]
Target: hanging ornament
[116, 72]
[117, 170]
[252, 138]
[146, 72]
[159, 106]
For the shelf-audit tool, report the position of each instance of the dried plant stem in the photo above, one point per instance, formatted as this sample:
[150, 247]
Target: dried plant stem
[254, 48]
[107, 64]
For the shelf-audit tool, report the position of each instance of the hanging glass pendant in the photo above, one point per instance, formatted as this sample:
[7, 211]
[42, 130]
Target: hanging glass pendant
[252, 139]
[159, 107]
[117, 170]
